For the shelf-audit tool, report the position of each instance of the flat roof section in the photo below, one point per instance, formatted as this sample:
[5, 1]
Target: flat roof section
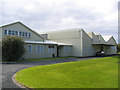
[47, 42]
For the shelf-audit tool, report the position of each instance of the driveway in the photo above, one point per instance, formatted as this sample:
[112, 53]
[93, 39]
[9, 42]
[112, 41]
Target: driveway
[8, 70]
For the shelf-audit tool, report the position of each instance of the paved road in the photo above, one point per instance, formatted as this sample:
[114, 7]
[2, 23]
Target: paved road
[9, 69]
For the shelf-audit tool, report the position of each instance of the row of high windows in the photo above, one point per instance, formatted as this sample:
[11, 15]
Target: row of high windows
[40, 49]
[16, 33]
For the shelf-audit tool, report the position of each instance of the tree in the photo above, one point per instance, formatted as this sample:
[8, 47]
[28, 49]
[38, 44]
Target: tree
[12, 48]
[118, 47]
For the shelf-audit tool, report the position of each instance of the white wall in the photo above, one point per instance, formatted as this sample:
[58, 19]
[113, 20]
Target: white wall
[87, 45]
[69, 37]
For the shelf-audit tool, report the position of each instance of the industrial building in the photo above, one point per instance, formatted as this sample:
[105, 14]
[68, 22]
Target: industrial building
[74, 42]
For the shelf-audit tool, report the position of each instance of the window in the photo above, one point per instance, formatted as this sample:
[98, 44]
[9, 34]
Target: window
[29, 48]
[51, 49]
[23, 34]
[40, 48]
[12, 32]
[26, 34]
[67, 49]
[29, 34]
[16, 33]
[37, 48]
[5, 32]
[9, 32]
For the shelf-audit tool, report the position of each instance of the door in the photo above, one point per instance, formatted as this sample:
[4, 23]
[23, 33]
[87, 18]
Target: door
[57, 51]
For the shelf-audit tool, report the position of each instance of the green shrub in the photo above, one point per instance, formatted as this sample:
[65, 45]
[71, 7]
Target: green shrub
[12, 48]
[118, 47]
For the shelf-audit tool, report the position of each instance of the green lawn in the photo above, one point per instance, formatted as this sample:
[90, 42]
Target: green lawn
[94, 73]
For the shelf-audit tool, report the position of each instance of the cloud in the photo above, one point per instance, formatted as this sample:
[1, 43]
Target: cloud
[99, 16]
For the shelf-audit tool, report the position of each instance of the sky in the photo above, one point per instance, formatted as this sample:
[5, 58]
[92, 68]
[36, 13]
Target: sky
[99, 16]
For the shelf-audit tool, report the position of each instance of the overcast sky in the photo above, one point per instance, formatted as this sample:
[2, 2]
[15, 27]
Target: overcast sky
[99, 16]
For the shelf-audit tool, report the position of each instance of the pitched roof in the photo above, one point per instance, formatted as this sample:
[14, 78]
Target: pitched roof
[23, 25]
[106, 38]
[112, 38]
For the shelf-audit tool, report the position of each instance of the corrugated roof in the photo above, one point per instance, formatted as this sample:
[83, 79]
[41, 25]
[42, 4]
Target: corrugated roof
[46, 42]
[66, 30]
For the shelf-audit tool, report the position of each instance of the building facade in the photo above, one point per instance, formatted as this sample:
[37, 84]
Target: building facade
[35, 45]
[64, 43]
[84, 44]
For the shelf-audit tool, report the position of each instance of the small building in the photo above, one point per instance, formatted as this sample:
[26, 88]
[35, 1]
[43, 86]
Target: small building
[75, 42]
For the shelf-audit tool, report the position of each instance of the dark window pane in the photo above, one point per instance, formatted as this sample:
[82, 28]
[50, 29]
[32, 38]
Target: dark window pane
[20, 33]
[9, 32]
[26, 34]
[5, 32]
[12, 32]
[16, 33]
[29, 34]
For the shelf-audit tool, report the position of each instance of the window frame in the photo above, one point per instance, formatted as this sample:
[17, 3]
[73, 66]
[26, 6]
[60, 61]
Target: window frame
[28, 48]
[13, 32]
[6, 32]
[29, 35]
[51, 49]
[9, 32]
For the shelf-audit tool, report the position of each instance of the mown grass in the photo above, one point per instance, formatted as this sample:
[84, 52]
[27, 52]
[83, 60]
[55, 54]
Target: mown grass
[93, 73]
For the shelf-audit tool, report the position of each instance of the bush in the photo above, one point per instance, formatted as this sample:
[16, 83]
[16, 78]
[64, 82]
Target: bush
[12, 48]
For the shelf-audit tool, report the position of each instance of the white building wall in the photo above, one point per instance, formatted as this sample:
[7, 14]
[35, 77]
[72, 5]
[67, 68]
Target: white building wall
[87, 45]
[69, 37]
[63, 52]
